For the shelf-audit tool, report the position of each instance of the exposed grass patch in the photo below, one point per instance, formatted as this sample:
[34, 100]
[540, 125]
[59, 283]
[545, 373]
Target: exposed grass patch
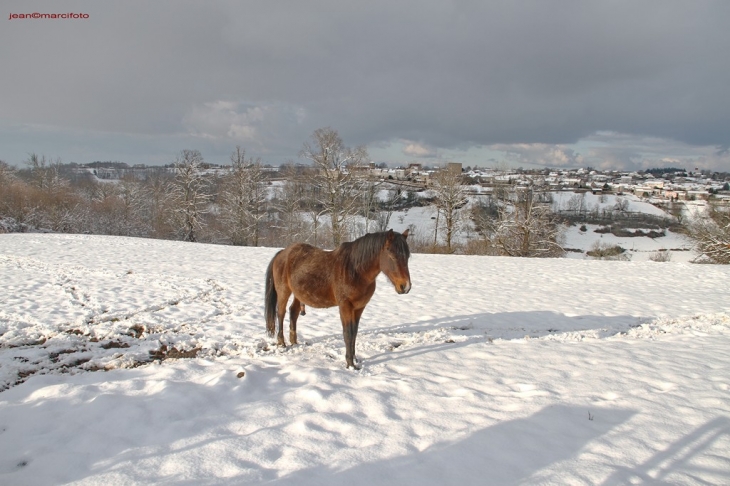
[607, 251]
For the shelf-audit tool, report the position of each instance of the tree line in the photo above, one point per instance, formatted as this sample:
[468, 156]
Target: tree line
[326, 202]
[329, 200]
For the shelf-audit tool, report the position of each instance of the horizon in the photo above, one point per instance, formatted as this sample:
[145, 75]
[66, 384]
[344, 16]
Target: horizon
[395, 166]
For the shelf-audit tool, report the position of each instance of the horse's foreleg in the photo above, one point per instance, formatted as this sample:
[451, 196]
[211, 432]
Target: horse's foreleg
[294, 310]
[350, 319]
[358, 313]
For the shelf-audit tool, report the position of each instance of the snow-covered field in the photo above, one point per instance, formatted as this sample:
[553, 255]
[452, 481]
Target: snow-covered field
[491, 371]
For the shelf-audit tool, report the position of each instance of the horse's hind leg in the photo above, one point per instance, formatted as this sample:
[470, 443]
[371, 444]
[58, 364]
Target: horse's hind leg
[294, 309]
[280, 314]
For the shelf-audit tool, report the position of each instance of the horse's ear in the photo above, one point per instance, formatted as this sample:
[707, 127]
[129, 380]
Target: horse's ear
[405, 234]
[389, 236]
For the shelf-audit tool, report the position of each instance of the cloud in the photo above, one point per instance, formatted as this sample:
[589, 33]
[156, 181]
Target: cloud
[257, 126]
[611, 150]
[539, 154]
[539, 77]
[414, 149]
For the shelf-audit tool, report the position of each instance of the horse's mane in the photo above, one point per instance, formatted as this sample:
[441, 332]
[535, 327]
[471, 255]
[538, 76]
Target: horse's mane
[359, 254]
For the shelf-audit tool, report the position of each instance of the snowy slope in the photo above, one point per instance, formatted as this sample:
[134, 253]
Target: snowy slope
[422, 221]
[492, 370]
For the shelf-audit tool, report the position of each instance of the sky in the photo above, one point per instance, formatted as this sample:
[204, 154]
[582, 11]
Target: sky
[611, 85]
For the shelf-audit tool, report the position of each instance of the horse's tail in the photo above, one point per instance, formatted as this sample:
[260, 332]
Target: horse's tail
[270, 299]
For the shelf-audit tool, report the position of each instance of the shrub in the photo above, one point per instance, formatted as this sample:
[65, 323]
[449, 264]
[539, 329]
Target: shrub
[660, 256]
[607, 251]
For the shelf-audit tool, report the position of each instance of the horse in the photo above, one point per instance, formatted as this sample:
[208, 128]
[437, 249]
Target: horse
[344, 277]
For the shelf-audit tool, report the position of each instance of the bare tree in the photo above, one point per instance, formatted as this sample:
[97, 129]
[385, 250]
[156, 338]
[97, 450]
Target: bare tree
[528, 229]
[484, 214]
[369, 199]
[577, 204]
[712, 234]
[622, 205]
[101, 198]
[43, 173]
[13, 197]
[387, 208]
[54, 204]
[289, 201]
[159, 205]
[335, 177]
[516, 224]
[313, 207]
[450, 198]
[677, 209]
[243, 199]
[188, 194]
[6, 173]
[119, 208]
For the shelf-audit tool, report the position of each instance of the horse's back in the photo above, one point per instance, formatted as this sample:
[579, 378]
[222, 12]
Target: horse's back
[308, 272]
[302, 255]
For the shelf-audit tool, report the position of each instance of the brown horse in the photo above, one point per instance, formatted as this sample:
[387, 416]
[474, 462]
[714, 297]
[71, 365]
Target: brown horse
[344, 277]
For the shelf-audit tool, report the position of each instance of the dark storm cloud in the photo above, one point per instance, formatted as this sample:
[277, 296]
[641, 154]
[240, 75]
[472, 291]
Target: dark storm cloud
[439, 74]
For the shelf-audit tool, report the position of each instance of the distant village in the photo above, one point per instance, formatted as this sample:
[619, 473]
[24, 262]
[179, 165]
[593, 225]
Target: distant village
[671, 185]
[655, 185]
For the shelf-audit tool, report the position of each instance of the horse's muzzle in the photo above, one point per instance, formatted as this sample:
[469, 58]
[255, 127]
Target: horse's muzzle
[403, 288]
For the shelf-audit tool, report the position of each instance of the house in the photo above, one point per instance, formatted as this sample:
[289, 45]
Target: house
[454, 167]
[414, 167]
[698, 195]
[643, 191]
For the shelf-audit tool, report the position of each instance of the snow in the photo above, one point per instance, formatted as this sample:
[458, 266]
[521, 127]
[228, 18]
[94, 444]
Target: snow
[605, 202]
[639, 248]
[492, 370]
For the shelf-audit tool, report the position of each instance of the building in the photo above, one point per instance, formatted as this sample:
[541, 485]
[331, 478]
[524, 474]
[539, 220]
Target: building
[454, 167]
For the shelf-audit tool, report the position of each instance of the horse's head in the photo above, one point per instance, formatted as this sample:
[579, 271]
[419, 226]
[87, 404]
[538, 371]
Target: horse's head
[394, 261]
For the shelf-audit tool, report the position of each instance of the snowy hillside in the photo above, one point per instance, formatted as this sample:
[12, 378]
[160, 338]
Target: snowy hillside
[678, 247]
[491, 371]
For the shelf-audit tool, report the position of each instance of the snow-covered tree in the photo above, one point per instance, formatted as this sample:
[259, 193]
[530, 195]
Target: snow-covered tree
[517, 224]
[242, 199]
[450, 196]
[189, 196]
[712, 233]
[528, 228]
